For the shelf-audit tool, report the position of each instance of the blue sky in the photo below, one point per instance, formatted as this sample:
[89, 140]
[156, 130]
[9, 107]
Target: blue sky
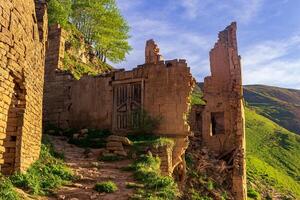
[268, 35]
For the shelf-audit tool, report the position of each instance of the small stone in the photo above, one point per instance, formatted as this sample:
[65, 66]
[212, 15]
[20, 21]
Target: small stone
[84, 131]
[123, 140]
[94, 196]
[61, 197]
[76, 136]
[78, 185]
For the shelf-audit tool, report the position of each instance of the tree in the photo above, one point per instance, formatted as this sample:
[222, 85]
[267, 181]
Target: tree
[103, 27]
[59, 11]
[100, 22]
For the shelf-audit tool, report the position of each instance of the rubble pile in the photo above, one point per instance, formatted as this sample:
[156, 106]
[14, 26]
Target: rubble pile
[208, 174]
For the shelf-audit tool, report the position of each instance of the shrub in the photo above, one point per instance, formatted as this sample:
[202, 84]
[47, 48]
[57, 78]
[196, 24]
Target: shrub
[44, 175]
[107, 187]
[253, 194]
[147, 171]
[7, 191]
[147, 124]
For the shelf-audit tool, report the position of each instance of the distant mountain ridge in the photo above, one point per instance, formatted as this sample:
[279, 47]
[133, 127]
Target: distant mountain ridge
[280, 105]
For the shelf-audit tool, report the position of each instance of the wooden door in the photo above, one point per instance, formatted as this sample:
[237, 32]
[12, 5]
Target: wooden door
[128, 99]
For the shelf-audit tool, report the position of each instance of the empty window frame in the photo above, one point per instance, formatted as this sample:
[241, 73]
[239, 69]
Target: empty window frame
[217, 123]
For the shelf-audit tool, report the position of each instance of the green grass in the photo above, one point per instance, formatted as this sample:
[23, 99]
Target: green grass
[45, 175]
[197, 98]
[7, 191]
[253, 194]
[78, 68]
[273, 155]
[107, 187]
[278, 104]
[147, 172]
[134, 185]
[141, 142]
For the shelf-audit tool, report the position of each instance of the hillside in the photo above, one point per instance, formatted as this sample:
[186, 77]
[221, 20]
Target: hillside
[278, 104]
[273, 156]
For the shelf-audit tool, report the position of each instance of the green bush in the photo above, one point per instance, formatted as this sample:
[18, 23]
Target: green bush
[7, 191]
[44, 175]
[197, 98]
[147, 171]
[107, 187]
[253, 194]
[145, 123]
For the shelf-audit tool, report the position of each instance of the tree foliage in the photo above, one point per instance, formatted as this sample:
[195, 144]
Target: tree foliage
[100, 22]
[59, 11]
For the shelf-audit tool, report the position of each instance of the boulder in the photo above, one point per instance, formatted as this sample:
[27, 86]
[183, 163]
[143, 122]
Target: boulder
[114, 146]
[123, 140]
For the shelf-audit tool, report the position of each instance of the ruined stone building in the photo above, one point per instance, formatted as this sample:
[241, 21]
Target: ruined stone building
[220, 123]
[113, 100]
[34, 88]
[23, 34]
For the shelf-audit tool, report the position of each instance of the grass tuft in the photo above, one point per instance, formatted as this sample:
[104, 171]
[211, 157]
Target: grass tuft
[7, 191]
[147, 171]
[107, 187]
[44, 175]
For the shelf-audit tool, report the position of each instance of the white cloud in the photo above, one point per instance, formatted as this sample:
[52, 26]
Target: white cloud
[172, 41]
[270, 63]
[241, 10]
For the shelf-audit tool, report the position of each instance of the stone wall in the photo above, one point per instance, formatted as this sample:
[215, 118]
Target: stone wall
[161, 88]
[22, 49]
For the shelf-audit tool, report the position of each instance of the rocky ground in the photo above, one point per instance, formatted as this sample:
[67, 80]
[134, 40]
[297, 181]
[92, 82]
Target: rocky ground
[90, 171]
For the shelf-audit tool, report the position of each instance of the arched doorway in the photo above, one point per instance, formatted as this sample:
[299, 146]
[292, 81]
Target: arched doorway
[15, 118]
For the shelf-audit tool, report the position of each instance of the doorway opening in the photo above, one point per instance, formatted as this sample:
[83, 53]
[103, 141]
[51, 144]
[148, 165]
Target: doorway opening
[15, 118]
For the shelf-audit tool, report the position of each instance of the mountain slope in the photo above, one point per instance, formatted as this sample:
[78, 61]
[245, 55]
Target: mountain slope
[278, 104]
[273, 156]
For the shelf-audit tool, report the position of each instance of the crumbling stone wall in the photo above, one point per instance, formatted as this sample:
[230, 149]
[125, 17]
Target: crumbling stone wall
[107, 101]
[223, 129]
[22, 49]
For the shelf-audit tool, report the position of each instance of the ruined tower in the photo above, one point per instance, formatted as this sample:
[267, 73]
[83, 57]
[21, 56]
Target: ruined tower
[152, 52]
[223, 116]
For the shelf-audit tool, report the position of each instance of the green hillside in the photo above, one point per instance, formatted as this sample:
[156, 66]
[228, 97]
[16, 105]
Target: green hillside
[278, 104]
[273, 156]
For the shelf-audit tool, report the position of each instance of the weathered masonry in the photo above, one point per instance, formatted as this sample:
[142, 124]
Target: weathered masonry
[113, 100]
[220, 123]
[23, 34]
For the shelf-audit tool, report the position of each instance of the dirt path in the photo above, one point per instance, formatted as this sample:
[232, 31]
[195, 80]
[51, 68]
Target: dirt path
[91, 171]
